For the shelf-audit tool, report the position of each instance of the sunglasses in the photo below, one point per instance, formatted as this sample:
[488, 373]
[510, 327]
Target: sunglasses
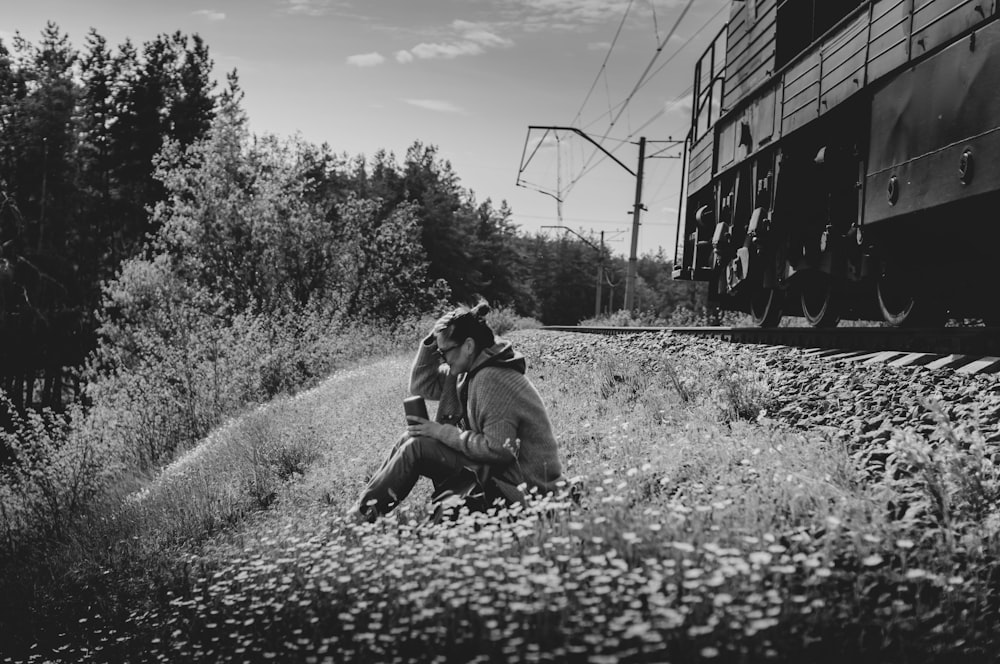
[443, 352]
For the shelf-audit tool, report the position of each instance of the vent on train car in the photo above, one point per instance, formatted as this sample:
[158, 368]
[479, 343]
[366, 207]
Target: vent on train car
[966, 166]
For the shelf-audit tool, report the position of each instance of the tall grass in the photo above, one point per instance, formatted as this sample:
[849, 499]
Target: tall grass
[86, 497]
[705, 531]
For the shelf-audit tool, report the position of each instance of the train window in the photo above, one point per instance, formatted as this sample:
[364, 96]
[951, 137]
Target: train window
[710, 72]
[829, 14]
[801, 22]
[795, 18]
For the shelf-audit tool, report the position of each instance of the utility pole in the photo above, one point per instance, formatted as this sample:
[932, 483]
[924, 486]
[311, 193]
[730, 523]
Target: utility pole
[600, 277]
[558, 180]
[638, 207]
[630, 276]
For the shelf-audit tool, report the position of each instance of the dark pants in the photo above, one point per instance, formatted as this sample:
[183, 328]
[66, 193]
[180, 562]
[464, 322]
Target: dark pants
[409, 460]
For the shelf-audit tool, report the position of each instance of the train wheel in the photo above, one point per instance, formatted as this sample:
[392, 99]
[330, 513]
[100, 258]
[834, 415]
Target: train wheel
[820, 299]
[902, 306]
[765, 306]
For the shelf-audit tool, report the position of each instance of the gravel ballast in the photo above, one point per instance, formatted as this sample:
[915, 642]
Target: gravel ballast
[864, 405]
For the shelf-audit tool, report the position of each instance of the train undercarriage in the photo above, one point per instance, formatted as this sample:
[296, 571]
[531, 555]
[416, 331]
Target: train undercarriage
[783, 234]
[810, 254]
[851, 172]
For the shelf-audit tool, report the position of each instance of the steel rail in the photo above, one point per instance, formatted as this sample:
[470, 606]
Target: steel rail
[969, 341]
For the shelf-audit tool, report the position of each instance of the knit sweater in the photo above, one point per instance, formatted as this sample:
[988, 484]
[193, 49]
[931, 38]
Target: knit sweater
[501, 408]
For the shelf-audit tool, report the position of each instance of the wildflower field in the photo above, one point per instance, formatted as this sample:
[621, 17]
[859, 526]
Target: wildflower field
[729, 510]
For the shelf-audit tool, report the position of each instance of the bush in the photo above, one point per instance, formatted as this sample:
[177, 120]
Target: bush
[680, 317]
[624, 318]
[147, 411]
[505, 319]
[51, 477]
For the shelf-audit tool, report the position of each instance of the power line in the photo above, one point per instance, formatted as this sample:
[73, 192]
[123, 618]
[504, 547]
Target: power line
[638, 84]
[587, 166]
[605, 63]
[614, 113]
[643, 80]
[673, 55]
[591, 222]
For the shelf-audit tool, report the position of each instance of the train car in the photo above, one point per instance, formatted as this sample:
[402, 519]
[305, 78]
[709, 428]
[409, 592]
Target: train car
[843, 162]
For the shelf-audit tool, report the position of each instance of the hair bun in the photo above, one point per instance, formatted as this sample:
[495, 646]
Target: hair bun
[481, 309]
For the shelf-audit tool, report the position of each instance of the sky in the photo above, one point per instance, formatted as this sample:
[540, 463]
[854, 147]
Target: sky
[466, 76]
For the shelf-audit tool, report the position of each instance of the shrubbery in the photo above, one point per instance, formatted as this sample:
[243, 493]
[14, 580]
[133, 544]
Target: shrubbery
[249, 291]
[682, 316]
[505, 319]
[51, 478]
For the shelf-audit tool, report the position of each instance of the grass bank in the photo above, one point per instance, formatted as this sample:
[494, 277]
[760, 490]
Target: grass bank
[707, 532]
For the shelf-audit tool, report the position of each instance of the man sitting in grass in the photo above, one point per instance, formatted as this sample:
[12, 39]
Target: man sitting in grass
[491, 428]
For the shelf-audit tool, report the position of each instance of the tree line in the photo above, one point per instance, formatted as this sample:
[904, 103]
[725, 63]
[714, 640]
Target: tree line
[78, 134]
[133, 197]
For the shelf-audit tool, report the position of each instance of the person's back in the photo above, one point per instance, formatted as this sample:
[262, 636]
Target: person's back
[503, 404]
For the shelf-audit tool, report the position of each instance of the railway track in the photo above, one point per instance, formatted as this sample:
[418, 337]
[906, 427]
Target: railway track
[963, 349]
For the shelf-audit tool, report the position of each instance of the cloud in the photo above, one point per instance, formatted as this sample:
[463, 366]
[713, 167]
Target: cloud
[448, 50]
[366, 59]
[211, 14]
[598, 46]
[548, 142]
[681, 106]
[308, 7]
[480, 33]
[438, 105]
[467, 38]
[571, 15]
[316, 8]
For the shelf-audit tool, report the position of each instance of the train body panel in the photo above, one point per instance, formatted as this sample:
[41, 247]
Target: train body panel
[889, 37]
[934, 133]
[830, 145]
[750, 55]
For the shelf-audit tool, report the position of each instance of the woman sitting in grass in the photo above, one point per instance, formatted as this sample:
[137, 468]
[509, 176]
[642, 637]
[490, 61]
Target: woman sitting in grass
[491, 424]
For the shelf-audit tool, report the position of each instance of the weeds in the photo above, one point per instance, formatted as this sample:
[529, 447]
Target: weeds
[947, 485]
[504, 319]
[741, 392]
[49, 479]
[705, 532]
[76, 498]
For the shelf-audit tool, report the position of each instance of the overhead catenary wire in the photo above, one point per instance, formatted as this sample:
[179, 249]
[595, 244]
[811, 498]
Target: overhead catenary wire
[588, 167]
[655, 198]
[636, 87]
[524, 151]
[591, 222]
[602, 73]
[662, 66]
[586, 164]
[563, 193]
[604, 65]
